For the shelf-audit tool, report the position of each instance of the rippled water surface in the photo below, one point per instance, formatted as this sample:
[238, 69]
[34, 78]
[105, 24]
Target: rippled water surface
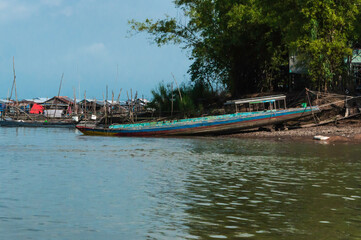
[59, 184]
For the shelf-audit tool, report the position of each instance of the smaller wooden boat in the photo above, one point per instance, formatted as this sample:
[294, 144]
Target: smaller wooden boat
[267, 114]
[46, 124]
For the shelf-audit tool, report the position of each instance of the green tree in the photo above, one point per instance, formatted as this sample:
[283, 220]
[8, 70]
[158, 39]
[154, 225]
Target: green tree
[229, 40]
[245, 44]
[321, 32]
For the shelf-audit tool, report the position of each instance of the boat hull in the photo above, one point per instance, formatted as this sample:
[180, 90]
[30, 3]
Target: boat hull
[6, 123]
[224, 124]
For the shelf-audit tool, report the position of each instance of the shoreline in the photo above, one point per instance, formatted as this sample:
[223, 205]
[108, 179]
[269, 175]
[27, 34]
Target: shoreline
[342, 132]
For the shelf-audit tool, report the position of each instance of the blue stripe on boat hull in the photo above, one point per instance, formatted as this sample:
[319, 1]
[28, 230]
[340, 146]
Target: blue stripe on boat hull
[214, 126]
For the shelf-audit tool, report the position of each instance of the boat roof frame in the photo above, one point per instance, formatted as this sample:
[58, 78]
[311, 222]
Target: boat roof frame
[255, 100]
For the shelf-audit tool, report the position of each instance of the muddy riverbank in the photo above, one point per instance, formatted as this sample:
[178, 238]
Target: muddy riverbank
[345, 131]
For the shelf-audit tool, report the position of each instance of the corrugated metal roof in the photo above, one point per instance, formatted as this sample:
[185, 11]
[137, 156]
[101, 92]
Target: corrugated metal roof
[64, 99]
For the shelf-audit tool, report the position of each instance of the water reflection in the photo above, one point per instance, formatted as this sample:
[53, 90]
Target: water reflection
[61, 184]
[235, 191]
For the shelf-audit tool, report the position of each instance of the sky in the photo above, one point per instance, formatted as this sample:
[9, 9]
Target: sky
[88, 41]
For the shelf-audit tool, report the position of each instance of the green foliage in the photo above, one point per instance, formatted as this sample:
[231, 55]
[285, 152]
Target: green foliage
[326, 37]
[186, 105]
[245, 44]
[189, 102]
[161, 98]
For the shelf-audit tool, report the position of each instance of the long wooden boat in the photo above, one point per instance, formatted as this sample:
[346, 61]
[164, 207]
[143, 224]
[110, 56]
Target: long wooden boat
[222, 124]
[25, 123]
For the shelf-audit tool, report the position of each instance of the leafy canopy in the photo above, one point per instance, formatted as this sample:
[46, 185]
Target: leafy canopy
[245, 44]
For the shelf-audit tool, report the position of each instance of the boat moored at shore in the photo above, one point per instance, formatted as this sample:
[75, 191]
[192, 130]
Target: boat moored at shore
[267, 114]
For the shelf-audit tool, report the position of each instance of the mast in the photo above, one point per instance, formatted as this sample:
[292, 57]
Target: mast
[12, 89]
[56, 103]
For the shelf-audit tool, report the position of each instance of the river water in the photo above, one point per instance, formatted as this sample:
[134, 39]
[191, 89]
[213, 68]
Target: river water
[59, 184]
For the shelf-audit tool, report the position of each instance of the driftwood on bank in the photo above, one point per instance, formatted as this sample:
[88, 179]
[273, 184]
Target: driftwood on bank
[332, 120]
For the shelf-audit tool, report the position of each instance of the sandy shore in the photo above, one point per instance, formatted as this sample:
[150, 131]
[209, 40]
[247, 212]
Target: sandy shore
[349, 131]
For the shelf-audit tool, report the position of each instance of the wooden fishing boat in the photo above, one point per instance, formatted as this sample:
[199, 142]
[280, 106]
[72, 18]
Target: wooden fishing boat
[221, 124]
[46, 124]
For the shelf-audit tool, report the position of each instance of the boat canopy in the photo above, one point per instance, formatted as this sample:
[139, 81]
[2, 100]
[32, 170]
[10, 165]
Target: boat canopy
[265, 99]
[273, 102]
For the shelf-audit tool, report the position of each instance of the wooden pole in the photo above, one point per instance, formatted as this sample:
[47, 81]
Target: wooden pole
[85, 106]
[75, 105]
[20, 110]
[171, 111]
[118, 99]
[56, 101]
[105, 111]
[131, 104]
[130, 108]
[180, 94]
[106, 93]
[135, 103]
[310, 103]
[95, 106]
[128, 104]
[16, 94]
[136, 106]
[106, 106]
[12, 87]
[111, 109]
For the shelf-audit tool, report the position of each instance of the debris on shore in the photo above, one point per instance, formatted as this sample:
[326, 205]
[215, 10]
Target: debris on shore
[347, 131]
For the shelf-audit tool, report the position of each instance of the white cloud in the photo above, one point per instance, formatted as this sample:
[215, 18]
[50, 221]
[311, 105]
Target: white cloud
[53, 3]
[67, 11]
[92, 51]
[22, 9]
[12, 10]
[3, 5]
[95, 49]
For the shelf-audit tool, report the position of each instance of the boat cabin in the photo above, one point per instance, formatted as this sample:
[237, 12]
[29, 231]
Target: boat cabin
[267, 103]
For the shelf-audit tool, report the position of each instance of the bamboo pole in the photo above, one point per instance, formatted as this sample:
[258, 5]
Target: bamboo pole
[85, 107]
[129, 108]
[111, 109]
[57, 99]
[118, 99]
[106, 105]
[180, 94]
[131, 105]
[20, 110]
[136, 106]
[171, 111]
[105, 110]
[309, 102]
[95, 107]
[16, 94]
[75, 105]
[12, 88]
